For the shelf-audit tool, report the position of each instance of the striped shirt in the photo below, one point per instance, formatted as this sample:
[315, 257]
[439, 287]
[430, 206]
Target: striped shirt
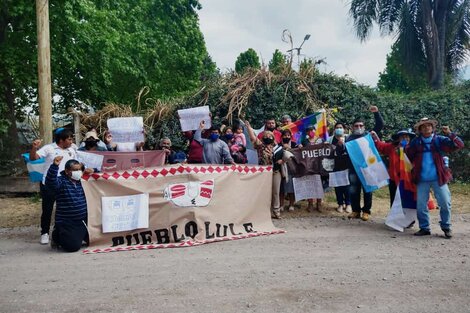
[70, 197]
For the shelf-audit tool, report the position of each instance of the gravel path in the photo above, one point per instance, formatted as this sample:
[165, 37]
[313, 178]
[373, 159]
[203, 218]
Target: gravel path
[319, 265]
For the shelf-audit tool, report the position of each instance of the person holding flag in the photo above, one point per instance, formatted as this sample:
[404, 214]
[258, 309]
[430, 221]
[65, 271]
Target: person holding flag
[392, 150]
[355, 186]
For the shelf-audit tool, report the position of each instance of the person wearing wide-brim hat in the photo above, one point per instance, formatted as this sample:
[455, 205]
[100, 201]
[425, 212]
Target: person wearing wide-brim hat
[391, 149]
[429, 171]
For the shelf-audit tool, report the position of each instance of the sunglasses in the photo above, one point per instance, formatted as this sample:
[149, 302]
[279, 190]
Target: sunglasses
[358, 125]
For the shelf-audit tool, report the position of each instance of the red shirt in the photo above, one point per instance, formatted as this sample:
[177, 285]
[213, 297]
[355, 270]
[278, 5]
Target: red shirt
[195, 152]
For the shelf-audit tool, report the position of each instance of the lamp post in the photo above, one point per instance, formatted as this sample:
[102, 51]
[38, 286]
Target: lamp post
[307, 37]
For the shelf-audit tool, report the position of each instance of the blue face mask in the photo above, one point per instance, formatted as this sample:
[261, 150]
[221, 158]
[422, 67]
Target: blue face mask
[214, 137]
[404, 142]
[339, 132]
[229, 136]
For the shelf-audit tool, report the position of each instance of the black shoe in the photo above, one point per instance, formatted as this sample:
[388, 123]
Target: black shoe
[447, 233]
[423, 232]
[411, 225]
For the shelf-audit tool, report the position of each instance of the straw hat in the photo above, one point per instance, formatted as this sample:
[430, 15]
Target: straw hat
[424, 121]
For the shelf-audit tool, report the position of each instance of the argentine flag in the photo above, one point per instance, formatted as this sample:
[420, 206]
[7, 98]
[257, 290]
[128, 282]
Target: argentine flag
[367, 162]
[36, 168]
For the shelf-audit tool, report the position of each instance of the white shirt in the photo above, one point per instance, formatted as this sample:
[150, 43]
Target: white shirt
[50, 151]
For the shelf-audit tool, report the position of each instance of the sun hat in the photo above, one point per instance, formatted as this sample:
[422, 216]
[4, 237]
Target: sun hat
[91, 134]
[408, 132]
[423, 121]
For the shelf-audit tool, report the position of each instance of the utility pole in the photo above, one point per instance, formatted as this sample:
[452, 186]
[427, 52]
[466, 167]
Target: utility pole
[44, 71]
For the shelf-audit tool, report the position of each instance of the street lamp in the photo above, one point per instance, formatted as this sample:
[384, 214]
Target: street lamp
[299, 48]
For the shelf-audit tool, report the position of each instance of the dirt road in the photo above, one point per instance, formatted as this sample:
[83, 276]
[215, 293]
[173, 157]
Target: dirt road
[322, 264]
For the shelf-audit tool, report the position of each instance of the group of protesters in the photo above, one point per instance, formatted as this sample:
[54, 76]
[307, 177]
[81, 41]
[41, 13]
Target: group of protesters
[228, 145]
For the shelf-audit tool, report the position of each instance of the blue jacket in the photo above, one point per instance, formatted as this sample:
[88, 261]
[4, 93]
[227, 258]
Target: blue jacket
[70, 197]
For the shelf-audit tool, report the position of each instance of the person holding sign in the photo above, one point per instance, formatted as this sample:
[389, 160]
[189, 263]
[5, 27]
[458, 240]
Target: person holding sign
[215, 151]
[71, 213]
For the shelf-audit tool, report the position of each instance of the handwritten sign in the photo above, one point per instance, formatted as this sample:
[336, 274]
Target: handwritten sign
[190, 118]
[90, 160]
[340, 178]
[127, 129]
[125, 213]
[308, 187]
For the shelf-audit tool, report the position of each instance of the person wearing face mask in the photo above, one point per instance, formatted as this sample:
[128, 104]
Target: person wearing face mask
[70, 228]
[64, 147]
[215, 151]
[287, 185]
[91, 142]
[392, 150]
[312, 139]
[227, 136]
[270, 125]
[355, 185]
[341, 192]
[269, 153]
[426, 153]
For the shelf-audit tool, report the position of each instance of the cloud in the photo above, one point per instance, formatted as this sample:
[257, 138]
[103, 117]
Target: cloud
[231, 27]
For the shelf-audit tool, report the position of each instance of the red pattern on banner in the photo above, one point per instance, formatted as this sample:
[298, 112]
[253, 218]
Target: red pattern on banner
[167, 171]
[181, 244]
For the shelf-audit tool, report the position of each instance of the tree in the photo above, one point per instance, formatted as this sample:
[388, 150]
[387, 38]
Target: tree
[101, 51]
[435, 33]
[396, 78]
[247, 59]
[278, 62]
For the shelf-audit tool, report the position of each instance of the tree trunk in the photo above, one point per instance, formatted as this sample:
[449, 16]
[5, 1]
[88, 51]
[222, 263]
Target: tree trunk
[434, 15]
[440, 11]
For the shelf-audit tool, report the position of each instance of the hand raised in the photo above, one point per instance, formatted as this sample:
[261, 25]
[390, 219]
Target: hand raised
[374, 109]
[446, 130]
[36, 143]
[58, 159]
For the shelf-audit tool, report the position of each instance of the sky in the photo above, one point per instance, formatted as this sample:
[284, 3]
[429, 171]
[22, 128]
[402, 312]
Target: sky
[231, 27]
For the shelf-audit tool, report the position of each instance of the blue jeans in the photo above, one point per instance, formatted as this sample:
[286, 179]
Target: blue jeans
[442, 194]
[342, 195]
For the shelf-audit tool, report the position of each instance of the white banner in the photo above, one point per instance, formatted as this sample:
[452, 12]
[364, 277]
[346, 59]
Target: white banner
[338, 179]
[125, 213]
[190, 118]
[127, 129]
[90, 160]
[308, 187]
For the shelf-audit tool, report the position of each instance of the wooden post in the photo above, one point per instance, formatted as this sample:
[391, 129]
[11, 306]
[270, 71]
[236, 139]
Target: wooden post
[44, 71]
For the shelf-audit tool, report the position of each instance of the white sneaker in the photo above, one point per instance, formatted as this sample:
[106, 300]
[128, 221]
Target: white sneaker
[44, 239]
[339, 209]
[348, 209]
[291, 208]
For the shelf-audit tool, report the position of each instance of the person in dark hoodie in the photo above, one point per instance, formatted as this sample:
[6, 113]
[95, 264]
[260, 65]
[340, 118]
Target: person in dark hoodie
[359, 130]
[70, 228]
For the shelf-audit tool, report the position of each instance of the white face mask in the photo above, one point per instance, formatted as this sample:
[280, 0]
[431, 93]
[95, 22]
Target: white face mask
[359, 131]
[76, 175]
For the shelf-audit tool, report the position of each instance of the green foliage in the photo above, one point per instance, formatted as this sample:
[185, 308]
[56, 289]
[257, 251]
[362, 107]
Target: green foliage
[278, 62]
[247, 59]
[396, 77]
[431, 34]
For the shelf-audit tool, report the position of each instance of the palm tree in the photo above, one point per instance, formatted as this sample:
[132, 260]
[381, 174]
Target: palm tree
[430, 33]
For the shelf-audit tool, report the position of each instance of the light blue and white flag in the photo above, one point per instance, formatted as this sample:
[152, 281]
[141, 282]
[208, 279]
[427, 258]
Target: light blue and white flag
[36, 168]
[367, 162]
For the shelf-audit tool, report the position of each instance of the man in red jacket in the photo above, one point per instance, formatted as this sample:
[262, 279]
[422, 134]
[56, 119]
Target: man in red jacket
[429, 171]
